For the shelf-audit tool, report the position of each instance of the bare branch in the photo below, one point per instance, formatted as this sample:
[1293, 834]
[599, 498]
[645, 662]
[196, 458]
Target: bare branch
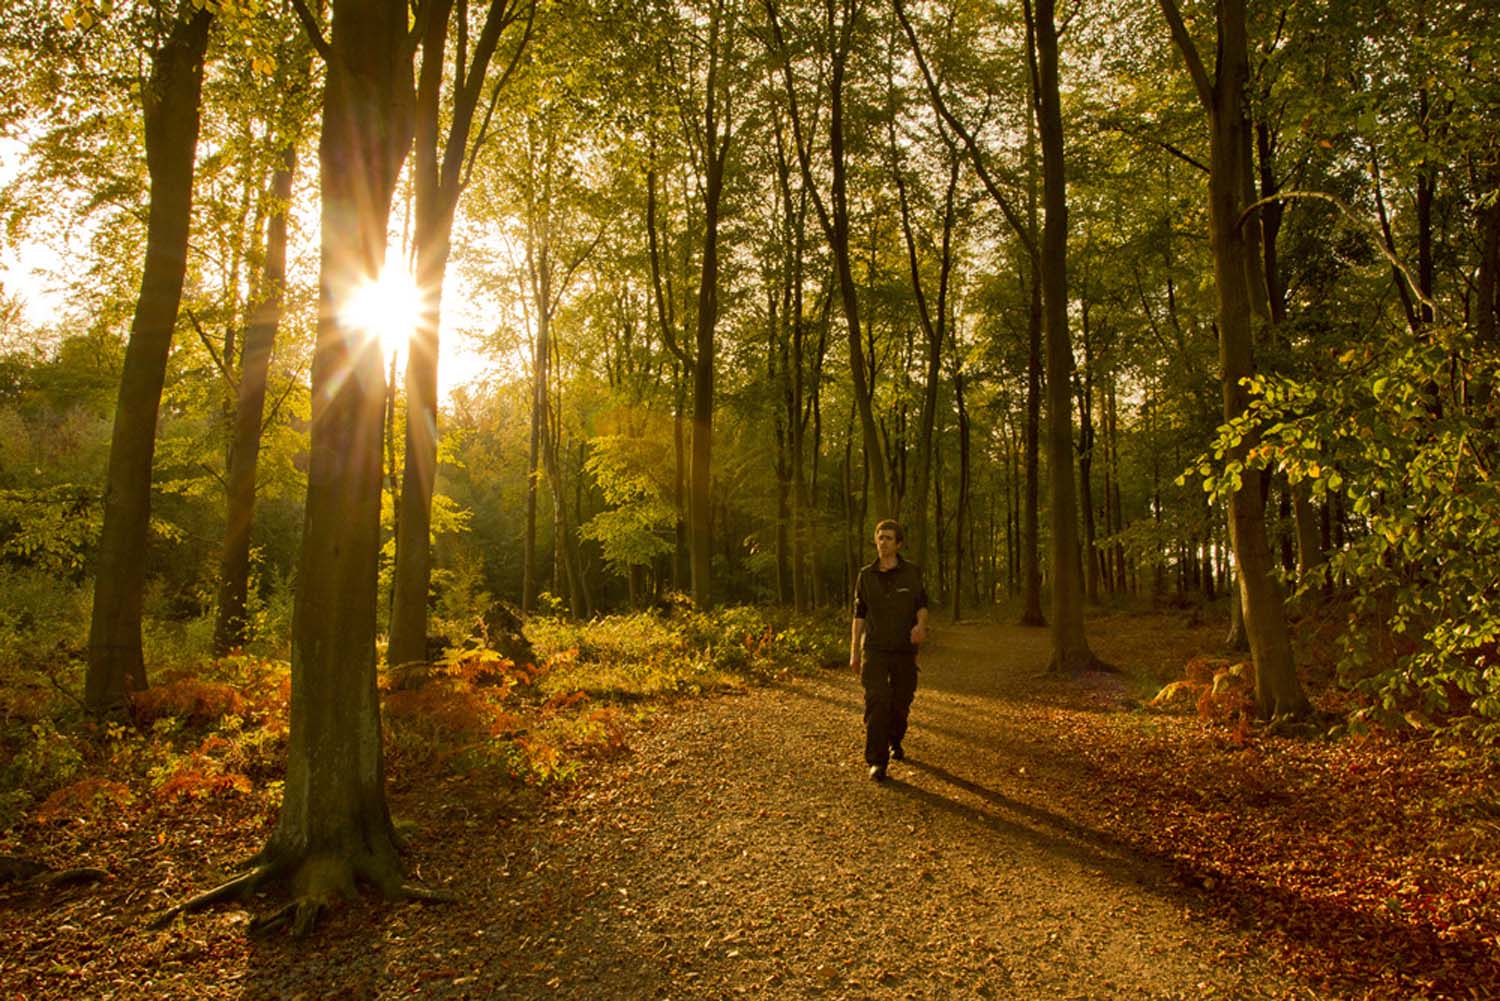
[976, 156]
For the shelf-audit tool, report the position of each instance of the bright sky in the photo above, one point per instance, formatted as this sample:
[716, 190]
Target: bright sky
[25, 270]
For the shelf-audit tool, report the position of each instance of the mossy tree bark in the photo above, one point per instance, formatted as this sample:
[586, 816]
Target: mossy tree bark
[172, 99]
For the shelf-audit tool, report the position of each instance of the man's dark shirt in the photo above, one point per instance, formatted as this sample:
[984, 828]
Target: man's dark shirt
[888, 601]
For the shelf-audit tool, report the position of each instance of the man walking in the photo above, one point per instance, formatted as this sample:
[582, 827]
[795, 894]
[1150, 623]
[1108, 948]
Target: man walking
[890, 622]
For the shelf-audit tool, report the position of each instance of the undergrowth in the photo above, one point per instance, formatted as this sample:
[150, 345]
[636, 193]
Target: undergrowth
[685, 651]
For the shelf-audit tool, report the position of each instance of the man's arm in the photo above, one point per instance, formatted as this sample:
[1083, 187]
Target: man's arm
[856, 643]
[919, 631]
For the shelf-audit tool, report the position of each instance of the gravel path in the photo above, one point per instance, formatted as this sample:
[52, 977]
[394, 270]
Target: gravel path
[740, 849]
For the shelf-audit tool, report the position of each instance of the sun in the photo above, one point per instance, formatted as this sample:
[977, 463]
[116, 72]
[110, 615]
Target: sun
[388, 308]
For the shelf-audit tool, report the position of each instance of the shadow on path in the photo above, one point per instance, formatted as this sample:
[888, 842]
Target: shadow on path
[1052, 832]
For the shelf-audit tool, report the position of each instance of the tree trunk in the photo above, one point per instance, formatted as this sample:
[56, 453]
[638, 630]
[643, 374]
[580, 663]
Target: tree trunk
[1277, 690]
[1310, 554]
[334, 824]
[1031, 559]
[834, 218]
[434, 209]
[172, 99]
[963, 515]
[230, 626]
[716, 153]
[1086, 439]
[1070, 648]
[933, 321]
[438, 185]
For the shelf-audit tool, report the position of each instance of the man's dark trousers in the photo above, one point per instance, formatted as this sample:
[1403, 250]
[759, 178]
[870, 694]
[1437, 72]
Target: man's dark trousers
[890, 682]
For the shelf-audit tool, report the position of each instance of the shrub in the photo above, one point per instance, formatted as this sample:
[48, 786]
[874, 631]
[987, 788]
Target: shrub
[193, 699]
[685, 651]
[1397, 434]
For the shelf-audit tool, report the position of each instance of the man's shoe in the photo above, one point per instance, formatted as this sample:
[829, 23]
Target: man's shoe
[897, 752]
[877, 773]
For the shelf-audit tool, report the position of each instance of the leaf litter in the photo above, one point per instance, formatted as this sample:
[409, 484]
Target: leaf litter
[1044, 839]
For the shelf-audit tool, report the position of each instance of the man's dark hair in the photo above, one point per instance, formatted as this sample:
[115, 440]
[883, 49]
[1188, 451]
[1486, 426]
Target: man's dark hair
[894, 526]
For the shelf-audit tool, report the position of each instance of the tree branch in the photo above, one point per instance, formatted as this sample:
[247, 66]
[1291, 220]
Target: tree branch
[1189, 51]
[314, 33]
[970, 144]
[1163, 144]
[1359, 223]
[212, 351]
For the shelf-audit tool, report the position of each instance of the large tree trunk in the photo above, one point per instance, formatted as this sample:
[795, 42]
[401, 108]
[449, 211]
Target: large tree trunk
[172, 99]
[334, 825]
[230, 627]
[1070, 647]
[1277, 690]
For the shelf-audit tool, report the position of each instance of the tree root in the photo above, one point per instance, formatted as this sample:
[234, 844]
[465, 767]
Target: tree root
[239, 887]
[20, 870]
[27, 872]
[302, 914]
[411, 891]
[317, 880]
[70, 877]
[1076, 665]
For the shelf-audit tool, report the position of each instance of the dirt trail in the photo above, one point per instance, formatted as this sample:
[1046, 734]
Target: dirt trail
[740, 849]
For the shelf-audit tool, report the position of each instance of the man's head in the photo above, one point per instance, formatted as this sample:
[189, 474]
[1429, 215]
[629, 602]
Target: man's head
[888, 537]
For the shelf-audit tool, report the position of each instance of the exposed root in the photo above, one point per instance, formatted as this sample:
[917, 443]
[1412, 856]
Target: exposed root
[71, 877]
[403, 831]
[411, 891]
[1076, 664]
[301, 914]
[15, 868]
[317, 880]
[29, 873]
[238, 888]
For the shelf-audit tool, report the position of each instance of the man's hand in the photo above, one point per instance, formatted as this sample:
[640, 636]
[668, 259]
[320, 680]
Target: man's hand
[919, 633]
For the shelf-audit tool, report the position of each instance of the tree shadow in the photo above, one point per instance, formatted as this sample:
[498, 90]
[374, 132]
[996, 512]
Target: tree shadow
[1043, 829]
[1349, 949]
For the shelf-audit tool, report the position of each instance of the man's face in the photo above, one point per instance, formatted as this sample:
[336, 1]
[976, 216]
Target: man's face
[886, 544]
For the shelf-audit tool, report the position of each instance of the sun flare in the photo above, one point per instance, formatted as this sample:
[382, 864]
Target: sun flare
[387, 308]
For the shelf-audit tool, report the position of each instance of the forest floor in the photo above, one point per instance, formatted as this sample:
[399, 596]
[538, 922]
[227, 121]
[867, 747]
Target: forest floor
[1043, 839]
